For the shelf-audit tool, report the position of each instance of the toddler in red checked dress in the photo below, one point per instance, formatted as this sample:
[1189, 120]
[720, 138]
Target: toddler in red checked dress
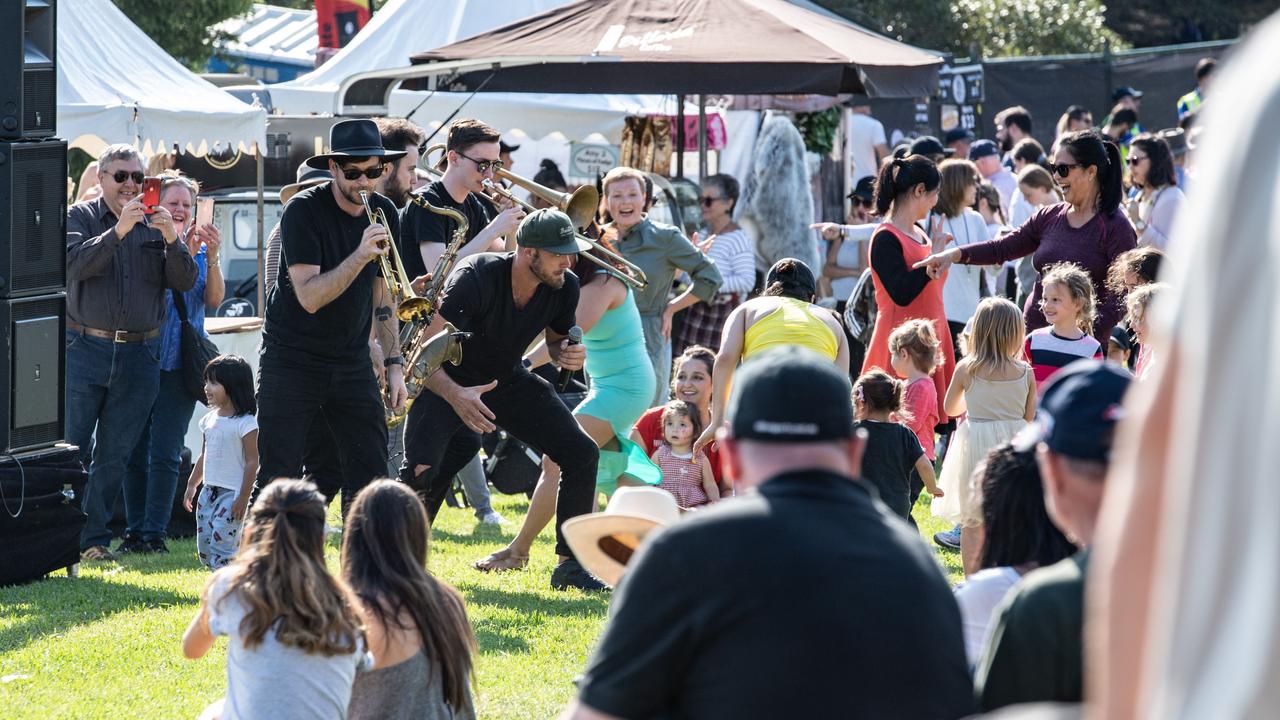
[685, 475]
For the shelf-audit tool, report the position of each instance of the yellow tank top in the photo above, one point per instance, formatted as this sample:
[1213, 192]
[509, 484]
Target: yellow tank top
[794, 323]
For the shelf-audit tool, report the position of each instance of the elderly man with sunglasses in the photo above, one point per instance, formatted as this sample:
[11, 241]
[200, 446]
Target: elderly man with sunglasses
[122, 257]
[327, 299]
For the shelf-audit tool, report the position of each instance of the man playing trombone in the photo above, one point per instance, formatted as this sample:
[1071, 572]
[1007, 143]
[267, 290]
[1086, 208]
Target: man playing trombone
[472, 151]
[315, 351]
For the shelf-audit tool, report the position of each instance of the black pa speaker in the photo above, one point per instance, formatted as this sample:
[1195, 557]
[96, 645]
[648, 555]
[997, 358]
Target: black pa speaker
[28, 77]
[32, 397]
[33, 217]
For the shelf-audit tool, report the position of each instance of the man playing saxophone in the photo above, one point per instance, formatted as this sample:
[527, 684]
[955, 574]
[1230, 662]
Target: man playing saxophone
[320, 314]
[472, 155]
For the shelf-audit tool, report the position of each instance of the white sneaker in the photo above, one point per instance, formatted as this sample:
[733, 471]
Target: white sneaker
[492, 518]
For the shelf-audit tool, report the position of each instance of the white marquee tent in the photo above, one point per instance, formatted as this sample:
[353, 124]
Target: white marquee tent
[116, 85]
[405, 27]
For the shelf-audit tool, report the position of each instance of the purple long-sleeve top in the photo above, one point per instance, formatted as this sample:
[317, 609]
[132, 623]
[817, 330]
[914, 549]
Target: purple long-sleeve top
[1049, 238]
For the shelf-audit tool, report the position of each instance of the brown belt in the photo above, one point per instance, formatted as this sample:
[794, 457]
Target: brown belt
[120, 336]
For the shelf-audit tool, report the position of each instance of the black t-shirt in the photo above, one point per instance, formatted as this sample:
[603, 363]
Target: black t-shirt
[419, 225]
[315, 231]
[891, 455]
[478, 300]
[827, 607]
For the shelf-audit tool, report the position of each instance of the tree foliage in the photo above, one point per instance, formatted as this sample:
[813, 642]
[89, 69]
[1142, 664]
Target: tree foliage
[997, 27]
[185, 30]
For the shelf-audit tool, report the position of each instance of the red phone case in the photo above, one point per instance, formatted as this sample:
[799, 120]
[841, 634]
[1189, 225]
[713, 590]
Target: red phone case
[150, 194]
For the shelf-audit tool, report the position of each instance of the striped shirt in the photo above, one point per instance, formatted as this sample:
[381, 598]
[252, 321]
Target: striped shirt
[1049, 352]
[734, 256]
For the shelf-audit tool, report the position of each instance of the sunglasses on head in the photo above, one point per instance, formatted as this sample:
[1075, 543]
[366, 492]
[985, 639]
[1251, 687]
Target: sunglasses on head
[707, 200]
[121, 175]
[1064, 169]
[372, 173]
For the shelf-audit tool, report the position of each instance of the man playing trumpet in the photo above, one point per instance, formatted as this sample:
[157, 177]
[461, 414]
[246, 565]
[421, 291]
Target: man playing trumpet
[315, 352]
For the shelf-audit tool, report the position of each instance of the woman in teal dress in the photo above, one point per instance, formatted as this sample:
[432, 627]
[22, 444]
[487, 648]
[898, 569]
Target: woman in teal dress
[622, 386]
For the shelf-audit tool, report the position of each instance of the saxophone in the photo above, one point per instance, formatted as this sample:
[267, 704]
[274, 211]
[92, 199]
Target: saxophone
[424, 355]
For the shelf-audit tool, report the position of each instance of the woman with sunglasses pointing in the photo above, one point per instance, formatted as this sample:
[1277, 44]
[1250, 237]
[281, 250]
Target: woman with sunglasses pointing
[1088, 229]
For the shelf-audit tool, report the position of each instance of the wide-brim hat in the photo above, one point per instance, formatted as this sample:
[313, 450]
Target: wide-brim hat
[604, 542]
[307, 177]
[353, 139]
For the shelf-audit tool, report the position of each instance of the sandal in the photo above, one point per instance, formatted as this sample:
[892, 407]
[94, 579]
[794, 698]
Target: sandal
[501, 560]
[97, 553]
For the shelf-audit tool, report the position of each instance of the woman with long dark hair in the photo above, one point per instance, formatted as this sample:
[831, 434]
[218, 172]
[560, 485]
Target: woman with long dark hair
[416, 625]
[906, 192]
[1155, 206]
[1019, 537]
[1088, 229]
[784, 314]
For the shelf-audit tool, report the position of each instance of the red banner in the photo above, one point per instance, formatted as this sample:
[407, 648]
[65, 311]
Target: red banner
[337, 21]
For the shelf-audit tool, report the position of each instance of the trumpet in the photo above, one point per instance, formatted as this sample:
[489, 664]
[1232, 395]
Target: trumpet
[580, 205]
[408, 304]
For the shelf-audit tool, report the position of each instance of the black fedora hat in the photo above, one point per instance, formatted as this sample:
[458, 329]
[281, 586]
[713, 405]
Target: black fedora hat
[353, 139]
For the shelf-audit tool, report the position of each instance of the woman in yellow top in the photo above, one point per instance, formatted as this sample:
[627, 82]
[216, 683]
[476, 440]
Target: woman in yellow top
[784, 314]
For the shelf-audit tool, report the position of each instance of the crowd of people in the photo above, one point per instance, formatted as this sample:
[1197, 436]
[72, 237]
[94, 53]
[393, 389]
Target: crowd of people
[970, 337]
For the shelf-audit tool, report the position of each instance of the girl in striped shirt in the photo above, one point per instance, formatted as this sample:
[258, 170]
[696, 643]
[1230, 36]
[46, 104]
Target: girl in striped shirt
[1069, 304]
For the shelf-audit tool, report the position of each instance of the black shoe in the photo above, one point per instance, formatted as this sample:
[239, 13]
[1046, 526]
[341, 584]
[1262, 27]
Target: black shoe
[132, 544]
[570, 574]
[157, 546]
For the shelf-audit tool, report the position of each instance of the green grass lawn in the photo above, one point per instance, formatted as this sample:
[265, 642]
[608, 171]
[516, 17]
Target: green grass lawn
[106, 644]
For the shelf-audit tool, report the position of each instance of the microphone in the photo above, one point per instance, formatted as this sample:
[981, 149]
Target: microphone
[575, 338]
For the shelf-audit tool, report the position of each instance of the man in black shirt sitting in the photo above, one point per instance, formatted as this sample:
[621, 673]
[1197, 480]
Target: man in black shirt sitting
[315, 343]
[506, 300]
[473, 157]
[805, 598]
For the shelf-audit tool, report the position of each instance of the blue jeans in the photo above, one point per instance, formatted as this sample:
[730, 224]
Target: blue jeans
[151, 477]
[110, 390]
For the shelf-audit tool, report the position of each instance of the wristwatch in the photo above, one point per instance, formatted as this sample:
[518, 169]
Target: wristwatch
[1139, 225]
[396, 360]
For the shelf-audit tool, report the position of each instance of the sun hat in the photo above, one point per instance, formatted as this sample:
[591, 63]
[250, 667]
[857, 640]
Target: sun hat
[604, 542]
[353, 139]
[307, 177]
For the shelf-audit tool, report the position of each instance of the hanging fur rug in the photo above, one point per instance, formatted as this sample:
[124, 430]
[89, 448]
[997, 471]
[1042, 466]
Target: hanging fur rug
[777, 200]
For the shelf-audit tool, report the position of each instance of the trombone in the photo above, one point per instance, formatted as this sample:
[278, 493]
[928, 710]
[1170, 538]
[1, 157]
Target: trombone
[408, 304]
[580, 205]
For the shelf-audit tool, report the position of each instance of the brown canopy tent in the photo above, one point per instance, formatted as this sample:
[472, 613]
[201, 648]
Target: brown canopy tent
[665, 46]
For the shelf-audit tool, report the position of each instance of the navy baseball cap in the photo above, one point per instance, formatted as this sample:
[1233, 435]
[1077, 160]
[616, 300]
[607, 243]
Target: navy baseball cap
[865, 189]
[983, 148]
[928, 145]
[958, 134]
[1078, 411]
[790, 394]
[1125, 91]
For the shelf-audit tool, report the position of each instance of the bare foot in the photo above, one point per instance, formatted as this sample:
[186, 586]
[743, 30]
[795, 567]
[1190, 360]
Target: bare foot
[500, 560]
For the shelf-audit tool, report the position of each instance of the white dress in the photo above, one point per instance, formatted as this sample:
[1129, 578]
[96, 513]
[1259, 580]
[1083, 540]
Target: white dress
[995, 413]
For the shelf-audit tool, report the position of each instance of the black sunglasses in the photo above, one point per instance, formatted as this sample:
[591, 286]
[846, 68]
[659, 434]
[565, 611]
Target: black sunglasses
[484, 165]
[1064, 169]
[121, 175]
[372, 173]
[1135, 159]
[708, 201]
[862, 202]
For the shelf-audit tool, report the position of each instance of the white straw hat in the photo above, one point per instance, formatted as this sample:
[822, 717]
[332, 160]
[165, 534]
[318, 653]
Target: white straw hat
[604, 542]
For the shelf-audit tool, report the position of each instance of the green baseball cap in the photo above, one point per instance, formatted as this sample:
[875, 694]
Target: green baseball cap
[551, 230]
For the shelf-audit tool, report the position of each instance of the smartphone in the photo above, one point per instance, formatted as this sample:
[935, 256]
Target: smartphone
[150, 194]
[204, 212]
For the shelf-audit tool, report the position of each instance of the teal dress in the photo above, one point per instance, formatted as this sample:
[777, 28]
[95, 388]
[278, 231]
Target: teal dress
[622, 386]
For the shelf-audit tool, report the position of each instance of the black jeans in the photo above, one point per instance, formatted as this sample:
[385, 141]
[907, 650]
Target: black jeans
[293, 400]
[526, 407]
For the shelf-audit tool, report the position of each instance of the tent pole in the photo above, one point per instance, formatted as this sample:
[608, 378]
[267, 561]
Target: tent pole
[679, 136]
[702, 137]
[261, 210]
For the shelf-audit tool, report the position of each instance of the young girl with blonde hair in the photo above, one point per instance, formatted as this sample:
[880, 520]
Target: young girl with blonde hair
[913, 352]
[997, 390]
[1070, 305]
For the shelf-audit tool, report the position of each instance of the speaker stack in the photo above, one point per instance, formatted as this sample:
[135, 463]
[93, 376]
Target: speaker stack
[33, 218]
